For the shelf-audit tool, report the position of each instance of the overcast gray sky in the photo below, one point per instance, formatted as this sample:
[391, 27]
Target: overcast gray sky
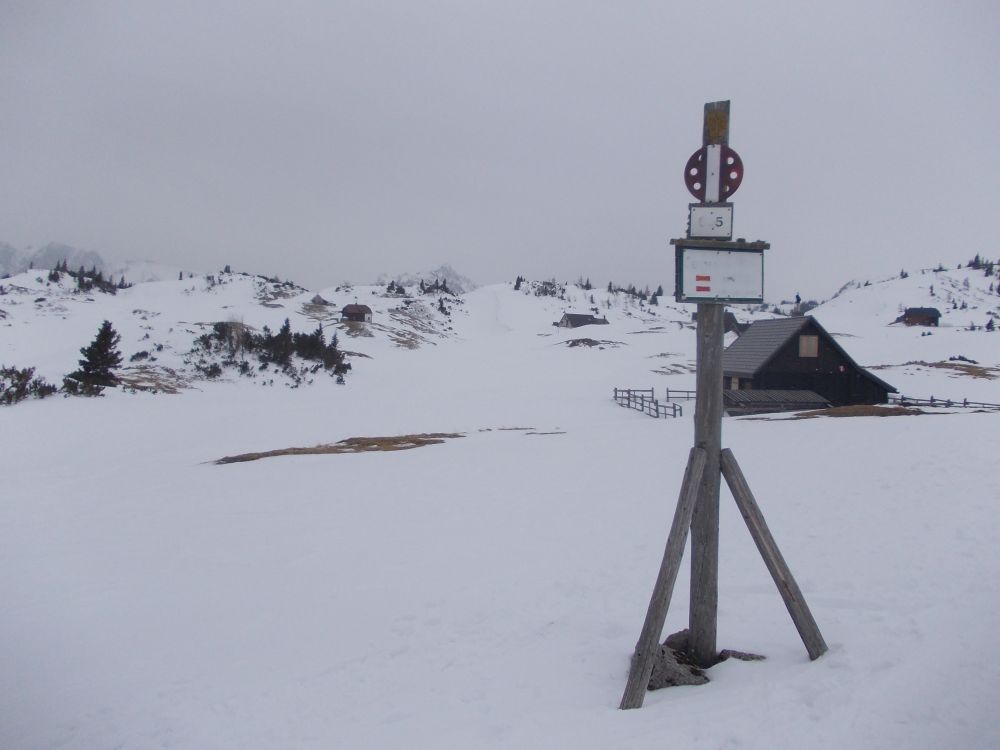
[324, 141]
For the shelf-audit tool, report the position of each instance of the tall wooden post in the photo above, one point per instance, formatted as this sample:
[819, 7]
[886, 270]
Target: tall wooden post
[702, 614]
[704, 604]
[712, 270]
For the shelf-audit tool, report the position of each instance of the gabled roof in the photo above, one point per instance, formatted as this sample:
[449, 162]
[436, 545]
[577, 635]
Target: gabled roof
[931, 311]
[762, 341]
[355, 309]
[759, 344]
[582, 318]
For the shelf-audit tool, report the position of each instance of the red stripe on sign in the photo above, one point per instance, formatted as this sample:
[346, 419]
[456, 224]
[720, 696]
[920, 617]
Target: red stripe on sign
[703, 288]
[702, 278]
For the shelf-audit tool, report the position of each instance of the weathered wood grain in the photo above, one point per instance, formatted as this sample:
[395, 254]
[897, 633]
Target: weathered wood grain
[704, 602]
[659, 603]
[776, 565]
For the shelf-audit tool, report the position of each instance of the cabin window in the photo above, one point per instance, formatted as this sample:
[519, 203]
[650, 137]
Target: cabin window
[808, 346]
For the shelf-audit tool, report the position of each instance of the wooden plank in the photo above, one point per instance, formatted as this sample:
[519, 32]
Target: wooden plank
[656, 614]
[704, 604]
[715, 129]
[787, 587]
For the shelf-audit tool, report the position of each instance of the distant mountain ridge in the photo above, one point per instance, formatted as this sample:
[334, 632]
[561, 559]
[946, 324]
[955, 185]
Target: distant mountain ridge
[13, 261]
[456, 282]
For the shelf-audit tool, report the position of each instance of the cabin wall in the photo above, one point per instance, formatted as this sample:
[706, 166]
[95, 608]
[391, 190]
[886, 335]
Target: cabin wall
[829, 374]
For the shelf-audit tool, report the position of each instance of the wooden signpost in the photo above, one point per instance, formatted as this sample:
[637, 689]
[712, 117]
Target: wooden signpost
[712, 270]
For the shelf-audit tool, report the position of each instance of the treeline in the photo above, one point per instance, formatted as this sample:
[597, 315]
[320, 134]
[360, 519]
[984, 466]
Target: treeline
[552, 289]
[87, 281]
[236, 344]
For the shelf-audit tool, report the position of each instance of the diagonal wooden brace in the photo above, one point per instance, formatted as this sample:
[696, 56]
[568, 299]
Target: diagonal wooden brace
[656, 615]
[789, 590]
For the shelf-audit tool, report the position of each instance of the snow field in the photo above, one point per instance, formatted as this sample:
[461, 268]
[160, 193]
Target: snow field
[486, 592]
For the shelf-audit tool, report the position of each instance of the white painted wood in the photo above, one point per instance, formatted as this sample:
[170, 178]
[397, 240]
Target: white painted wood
[711, 222]
[713, 172]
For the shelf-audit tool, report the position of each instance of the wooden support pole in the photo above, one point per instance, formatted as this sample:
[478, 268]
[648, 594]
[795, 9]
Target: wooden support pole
[659, 602]
[789, 590]
[704, 603]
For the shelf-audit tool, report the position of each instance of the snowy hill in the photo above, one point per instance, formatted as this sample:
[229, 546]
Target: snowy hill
[486, 589]
[456, 282]
[968, 298]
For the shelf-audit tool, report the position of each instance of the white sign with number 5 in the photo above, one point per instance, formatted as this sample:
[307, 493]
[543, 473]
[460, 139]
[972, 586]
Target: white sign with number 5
[711, 221]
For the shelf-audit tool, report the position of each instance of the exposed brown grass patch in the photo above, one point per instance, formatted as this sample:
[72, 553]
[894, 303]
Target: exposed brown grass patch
[861, 410]
[351, 445]
[959, 369]
[153, 378]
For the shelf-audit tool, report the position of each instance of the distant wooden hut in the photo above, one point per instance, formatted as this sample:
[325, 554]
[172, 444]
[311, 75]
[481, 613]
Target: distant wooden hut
[575, 320]
[729, 322]
[920, 316]
[797, 354]
[357, 313]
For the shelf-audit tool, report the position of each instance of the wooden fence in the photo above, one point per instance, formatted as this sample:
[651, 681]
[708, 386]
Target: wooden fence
[676, 395]
[900, 400]
[644, 400]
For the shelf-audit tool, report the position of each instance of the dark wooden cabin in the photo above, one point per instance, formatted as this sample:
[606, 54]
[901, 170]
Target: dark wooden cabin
[798, 354]
[575, 320]
[920, 316]
[357, 313]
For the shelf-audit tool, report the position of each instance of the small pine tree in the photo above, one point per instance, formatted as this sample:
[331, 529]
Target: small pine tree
[100, 360]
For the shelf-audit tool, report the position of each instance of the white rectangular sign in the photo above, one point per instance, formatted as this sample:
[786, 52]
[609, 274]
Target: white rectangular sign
[710, 222]
[714, 275]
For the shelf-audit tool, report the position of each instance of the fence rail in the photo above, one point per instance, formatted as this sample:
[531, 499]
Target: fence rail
[901, 400]
[644, 400]
[676, 395]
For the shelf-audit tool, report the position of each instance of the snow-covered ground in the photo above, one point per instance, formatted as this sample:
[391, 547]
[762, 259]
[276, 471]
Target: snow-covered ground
[487, 591]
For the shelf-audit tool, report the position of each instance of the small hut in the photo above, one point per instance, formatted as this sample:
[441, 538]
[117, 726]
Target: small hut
[575, 320]
[357, 313]
[920, 316]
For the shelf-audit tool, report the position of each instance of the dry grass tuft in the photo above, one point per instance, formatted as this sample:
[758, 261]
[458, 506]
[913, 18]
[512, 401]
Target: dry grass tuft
[153, 378]
[351, 445]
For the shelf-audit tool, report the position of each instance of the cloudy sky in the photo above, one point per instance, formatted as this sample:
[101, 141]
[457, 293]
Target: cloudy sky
[332, 140]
